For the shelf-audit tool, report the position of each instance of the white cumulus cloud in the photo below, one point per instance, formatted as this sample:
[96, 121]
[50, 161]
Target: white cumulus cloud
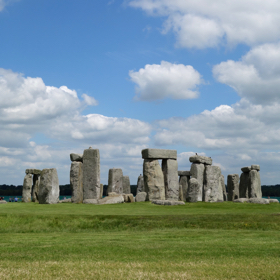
[166, 80]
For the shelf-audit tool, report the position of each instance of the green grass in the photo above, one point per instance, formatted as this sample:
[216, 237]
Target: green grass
[140, 241]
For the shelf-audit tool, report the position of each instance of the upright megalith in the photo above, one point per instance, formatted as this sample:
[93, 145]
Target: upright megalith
[26, 188]
[197, 172]
[35, 187]
[91, 173]
[213, 191]
[153, 180]
[183, 184]
[255, 184]
[126, 185]
[233, 186]
[49, 187]
[140, 184]
[244, 185]
[194, 191]
[222, 181]
[115, 181]
[170, 172]
[76, 181]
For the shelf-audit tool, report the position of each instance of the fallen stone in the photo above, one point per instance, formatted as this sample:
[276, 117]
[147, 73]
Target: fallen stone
[246, 169]
[112, 199]
[91, 174]
[90, 201]
[201, 159]
[3, 201]
[167, 202]
[170, 173]
[197, 172]
[273, 200]
[255, 190]
[153, 180]
[140, 184]
[76, 182]
[140, 197]
[35, 187]
[76, 157]
[26, 188]
[126, 184]
[241, 200]
[115, 180]
[183, 187]
[112, 194]
[159, 154]
[194, 191]
[255, 167]
[258, 200]
[33, 171]
[184, 173]
[128, 198]
[244, 185]
[65, 200]
[233, 186]
[49, 187]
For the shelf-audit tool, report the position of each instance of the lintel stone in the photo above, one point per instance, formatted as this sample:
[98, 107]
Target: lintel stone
[159, 154]
[184, 173]
[33, 171]
[246, 169]
[201, 159]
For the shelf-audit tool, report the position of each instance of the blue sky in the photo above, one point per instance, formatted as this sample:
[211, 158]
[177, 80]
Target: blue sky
[195, 76]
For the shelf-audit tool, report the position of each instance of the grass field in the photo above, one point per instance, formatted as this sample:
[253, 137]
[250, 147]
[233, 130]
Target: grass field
[140, 241]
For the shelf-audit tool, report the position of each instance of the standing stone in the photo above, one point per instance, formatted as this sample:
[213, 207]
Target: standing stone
[140, 197]
[76, 182]
[35, 187]
[194, 191]
[170, 172]
[115, 181]
[140, 184]
[222, 180]
[183, 186]
[197, 172]
[233, 187]
[101, 191]
[153, 180]
[26, 188]
[126, 184]
[255, 184]
[91, 173]
[212, 187]
[181, 196]
[49, 187]
[244, 185]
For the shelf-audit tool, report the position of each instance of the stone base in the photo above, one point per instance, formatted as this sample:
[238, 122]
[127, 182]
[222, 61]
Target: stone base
[167, 202]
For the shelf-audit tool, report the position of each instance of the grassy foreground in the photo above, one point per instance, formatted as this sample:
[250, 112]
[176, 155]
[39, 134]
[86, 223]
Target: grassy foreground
[140, 241]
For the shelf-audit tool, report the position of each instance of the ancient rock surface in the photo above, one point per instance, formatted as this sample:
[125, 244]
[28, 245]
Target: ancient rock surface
[141, 197]
[167, 202]
[201, 159]
[35, 188]
[112, 194]
[184, 173]
[90, 201]
[101, 191]
[244, 185]
[91, 173]
[115, 180]
[212, 185]
[194, 191]
[33, 171]
[241, 200]
[183, 186]
[159, 154]
[170, 173]
[49, 187]
[128, 198]
[255, 167]
[273, 200]
[26, 188]
[246, 169]
[126, 184]
[233, 186]
[153, 180]
[197, 172]
[140, 184]
[255, 184]
[222, 180]
[67, 200]
[3, 201]
[76, 157]
[76, 182]
[258, 200]
[112, 199]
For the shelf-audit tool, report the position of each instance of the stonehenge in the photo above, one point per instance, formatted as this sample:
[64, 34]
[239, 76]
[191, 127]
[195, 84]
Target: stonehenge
[185, 177]
[126, 185]
[233, 186]
[140, 184]
[31, 183]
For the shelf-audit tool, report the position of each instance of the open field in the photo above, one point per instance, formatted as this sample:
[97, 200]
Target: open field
[140, 241]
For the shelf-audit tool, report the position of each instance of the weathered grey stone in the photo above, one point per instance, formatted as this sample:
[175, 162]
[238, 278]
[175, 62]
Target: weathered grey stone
[159, 154]
[76, 182]
[170, 173]
[246, 169]
[183, 186]
[181, 196]
[241, 200]
[153, 180]
[197, 172]
[26, 188]
[126, 184]
[167, 202]
[76, 157]
[90, 201]
[201, 159]
[194, 191]
[33, 171]
[140, 197]
[115, 180]
[112, 194]
[273, 200]
[91, 173]
[184, 173]
[128, 198]
[233, 186]
[111, 199]
[35, 187]
[222, 180]
[101, 191]
[212, 184]
[140, 184]
[244, 185]
[255, 167]
[255, 190]
[3, 201]
[258, 200]
[67, 200]
[49, 187]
